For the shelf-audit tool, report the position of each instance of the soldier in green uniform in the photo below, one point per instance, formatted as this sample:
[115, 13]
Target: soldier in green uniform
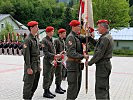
[32, 68]
[48, 61]
[60, 48]
[74, 52]
[101, 57]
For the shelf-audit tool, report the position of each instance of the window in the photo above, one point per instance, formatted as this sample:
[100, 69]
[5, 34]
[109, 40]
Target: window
[2, 25]
[117, 44]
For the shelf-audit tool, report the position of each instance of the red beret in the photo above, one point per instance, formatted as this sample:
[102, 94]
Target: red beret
[102, 21]
[32, 23]
[49, 29]
[74, 23]
[61, 30]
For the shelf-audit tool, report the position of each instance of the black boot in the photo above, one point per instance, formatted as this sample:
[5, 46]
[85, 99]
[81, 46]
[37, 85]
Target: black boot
[63, 89]
[51, 93]
[58, 90]
[47, 94]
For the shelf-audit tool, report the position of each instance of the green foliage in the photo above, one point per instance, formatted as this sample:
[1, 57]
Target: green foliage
[131, 2]
[24, 11]
[6, 7]
[119, 53]
[4, 32]
[66, 19]
[75, 11]
[131, 15]
[116, 11]
[123, 52]
[59, 14]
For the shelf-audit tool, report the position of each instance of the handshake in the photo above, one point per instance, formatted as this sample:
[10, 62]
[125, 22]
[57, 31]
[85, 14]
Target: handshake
[86, 56]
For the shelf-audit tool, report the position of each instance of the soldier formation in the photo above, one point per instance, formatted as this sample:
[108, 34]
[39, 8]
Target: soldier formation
[11, 48]
[53, 54]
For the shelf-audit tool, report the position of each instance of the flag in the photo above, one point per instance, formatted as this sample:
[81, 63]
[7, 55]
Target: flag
[17, 36]
[12, 36]
[8, 37]
[86, 15]
[86, 19]
[4, 38]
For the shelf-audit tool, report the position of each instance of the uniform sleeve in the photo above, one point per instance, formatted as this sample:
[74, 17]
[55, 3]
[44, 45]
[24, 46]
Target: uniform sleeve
[46, 52]
[99, 51]
[71, 48]
[57, 45]
[26, 53]
[90, 39]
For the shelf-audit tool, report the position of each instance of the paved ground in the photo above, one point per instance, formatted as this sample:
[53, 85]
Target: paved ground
[11, 84]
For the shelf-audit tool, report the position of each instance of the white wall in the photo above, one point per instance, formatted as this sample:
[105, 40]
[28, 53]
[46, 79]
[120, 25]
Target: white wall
[8, 19]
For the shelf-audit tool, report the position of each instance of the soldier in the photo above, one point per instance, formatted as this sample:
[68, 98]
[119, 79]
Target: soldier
[25, 35]
[5, 47]
[60, 48]
[20, 46]
[101, 57]
[32, 68]
[15, 46]
[48, 59]
[10, 48]
[75, 55]
[1, 46]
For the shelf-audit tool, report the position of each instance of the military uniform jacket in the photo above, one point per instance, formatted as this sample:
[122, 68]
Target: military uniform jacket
[5, 45]
[74, 46]
[59, 45]
[48, 49]
[103, 49]
[31, 52]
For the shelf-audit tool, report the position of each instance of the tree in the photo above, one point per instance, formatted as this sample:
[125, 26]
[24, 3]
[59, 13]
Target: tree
[75, 11]
[66, 19]
[24, 11]
[6, 7]
[116, 11]
[131, 15]
[131, 2]
[71, 3]
[4, 32]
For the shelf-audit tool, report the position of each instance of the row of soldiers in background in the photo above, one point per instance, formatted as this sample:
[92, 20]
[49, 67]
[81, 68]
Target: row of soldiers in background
[11, 48]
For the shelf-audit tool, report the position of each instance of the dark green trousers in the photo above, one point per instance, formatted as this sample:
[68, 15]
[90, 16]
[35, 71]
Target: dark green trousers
[64, 72]
[30, 84]
[58, 74]
[74, 77]
[48, 74]
[103, 71]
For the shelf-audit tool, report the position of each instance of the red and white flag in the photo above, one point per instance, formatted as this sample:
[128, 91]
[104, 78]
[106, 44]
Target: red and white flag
[86, 13]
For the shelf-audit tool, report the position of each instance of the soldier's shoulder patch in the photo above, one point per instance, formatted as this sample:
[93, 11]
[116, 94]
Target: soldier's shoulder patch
[70, 42]
[25, 46]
